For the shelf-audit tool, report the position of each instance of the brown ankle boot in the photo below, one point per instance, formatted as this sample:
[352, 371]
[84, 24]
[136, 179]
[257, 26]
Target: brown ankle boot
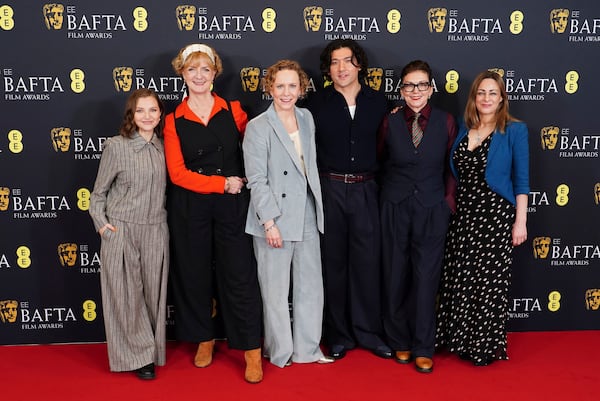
[204, 354]
[254, 372]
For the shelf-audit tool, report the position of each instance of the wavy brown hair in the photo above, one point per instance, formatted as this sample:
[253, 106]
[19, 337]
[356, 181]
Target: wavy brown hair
[503, 117]
[128, 127]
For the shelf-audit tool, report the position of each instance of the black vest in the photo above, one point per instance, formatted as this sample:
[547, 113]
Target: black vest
[214, 149]
[410, 171]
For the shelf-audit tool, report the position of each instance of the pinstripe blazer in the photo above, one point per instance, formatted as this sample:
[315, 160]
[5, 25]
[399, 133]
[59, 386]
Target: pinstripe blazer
[131, 182]
[278, 185]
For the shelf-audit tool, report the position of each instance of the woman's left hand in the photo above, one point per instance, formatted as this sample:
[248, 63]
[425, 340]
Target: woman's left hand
[519, 234]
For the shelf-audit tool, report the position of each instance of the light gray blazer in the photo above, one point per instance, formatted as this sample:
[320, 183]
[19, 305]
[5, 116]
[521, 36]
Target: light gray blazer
[278, 185]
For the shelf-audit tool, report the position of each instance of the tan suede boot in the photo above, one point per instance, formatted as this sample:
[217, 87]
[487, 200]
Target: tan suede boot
[254, 372]
[204, 354]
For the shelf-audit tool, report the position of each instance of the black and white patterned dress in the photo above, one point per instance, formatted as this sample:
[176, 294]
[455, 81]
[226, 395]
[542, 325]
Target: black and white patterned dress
[473, 295]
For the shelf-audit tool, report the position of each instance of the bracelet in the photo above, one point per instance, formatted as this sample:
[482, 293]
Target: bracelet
[270, 227]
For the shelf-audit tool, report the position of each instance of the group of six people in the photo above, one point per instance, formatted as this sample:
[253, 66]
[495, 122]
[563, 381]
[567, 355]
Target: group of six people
[342, 206]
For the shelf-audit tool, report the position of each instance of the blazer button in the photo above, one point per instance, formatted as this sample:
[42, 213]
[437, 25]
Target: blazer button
[218, 171]
[200, 170]
[283, 195]
[285, 173]
[200, 151]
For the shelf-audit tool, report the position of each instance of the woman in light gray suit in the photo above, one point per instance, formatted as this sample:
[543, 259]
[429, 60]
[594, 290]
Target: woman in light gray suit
[285, 217]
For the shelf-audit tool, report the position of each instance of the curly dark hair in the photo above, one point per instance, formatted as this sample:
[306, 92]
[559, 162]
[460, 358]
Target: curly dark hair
[359, 56]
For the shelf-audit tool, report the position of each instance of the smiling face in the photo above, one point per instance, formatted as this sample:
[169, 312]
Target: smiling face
[199, 74]
[417, 99]
[343, 68]
[488, 98]
[146, 115]
[285, 90]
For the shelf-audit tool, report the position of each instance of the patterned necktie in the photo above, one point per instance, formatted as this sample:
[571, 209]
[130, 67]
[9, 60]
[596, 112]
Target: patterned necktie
[417, 132]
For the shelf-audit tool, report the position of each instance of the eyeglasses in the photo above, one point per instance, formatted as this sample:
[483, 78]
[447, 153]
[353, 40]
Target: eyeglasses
[410, 87]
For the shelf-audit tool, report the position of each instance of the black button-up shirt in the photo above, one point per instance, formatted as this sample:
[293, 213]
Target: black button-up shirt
[346, 144]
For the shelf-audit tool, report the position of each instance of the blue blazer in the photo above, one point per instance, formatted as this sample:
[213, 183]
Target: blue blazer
[277, 182]
[507, 171]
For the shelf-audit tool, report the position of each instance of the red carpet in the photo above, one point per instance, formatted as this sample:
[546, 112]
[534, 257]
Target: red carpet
[543, 366]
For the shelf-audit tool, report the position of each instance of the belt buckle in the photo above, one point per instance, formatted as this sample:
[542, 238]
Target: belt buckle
[349, 178]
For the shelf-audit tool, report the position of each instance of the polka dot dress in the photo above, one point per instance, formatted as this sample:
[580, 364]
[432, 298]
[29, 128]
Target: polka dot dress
[473, 296]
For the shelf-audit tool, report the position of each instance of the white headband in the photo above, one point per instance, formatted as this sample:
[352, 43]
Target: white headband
[196, 47]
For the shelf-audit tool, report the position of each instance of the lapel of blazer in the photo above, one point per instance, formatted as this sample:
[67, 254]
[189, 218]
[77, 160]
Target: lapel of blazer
[284, 137]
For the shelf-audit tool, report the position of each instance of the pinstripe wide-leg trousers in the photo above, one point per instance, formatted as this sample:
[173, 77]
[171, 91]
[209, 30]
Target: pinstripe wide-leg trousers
[133, 280]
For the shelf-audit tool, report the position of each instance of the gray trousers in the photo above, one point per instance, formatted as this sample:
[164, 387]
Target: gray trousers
[297, 339]
[133, 280]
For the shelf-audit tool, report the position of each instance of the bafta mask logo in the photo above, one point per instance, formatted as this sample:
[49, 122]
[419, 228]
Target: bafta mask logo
[596, 194]
[541, 247]
[313, 16]
[4, 198]
[499, 71]
[67, 254]
[123, 78]
[436, 17]
[250, 78]
[53, 16]
[592, 299]
[186, 16]
[374, 77]
[558, 20]
[549, 137]
[61, 138]
[8, 311]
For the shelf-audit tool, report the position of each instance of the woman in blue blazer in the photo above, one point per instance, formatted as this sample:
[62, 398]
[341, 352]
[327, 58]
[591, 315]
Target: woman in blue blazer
[285, 218]
[490, 159]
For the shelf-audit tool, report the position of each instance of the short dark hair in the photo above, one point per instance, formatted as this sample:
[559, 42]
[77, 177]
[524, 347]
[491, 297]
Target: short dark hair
[416, 65]
[357, 52]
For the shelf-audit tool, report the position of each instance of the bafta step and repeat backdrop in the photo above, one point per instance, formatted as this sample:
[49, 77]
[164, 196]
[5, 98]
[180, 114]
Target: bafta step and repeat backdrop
[66, 69]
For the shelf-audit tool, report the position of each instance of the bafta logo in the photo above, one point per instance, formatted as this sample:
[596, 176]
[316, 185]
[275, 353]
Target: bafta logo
[4, 198]
[499, 71]
[596, 194]
[250, 78]
[549, 137]
[123, 78]
[592, 299]
[374, 77]
[541, 247]
[67, 254]
[53, 16]
[186, 16]
[8, 311]
[313, 16]
[61, 139]
[436, 17]
[558, 20]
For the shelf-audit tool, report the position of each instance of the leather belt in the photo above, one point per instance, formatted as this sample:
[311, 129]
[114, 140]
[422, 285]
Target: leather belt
[349, 178]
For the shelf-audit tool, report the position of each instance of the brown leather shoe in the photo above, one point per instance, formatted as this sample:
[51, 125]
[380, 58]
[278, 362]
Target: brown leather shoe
[402, 357]
[204, 354]
[424, 364]
[254, 372]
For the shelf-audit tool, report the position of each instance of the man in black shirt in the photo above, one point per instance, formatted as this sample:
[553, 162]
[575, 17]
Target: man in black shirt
[347, 116]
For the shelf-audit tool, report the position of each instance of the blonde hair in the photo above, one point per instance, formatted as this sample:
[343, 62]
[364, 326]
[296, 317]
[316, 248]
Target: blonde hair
[181, 61]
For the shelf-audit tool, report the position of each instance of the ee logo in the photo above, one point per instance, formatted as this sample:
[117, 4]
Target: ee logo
[269, 24]
[23, 257]
[89, 310]
[77, 80]
[452, 81]
[140, 19]
[554, 301]
[393, 18]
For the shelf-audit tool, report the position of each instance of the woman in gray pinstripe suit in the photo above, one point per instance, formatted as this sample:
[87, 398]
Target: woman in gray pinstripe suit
[128, 210]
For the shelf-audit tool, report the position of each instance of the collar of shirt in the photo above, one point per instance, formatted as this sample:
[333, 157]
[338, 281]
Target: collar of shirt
[409, 115]
[138, 142]
[184, 110]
